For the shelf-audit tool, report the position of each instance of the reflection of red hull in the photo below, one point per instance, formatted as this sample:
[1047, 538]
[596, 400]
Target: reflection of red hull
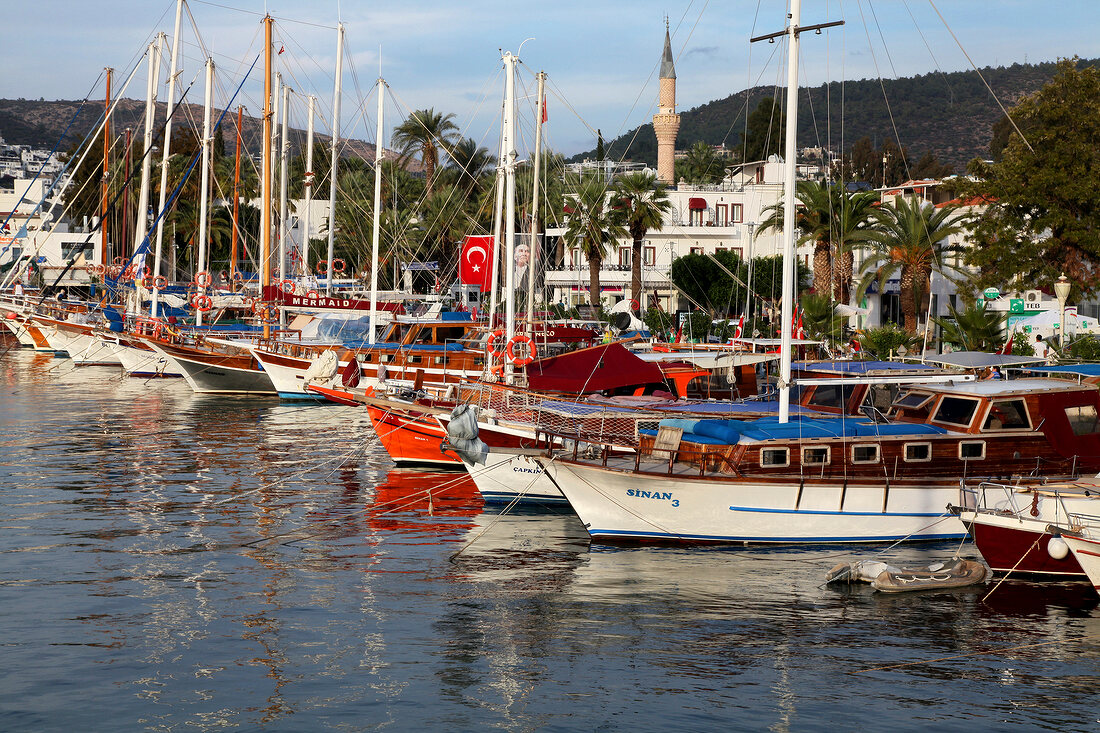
[411, 439]
[1003, 548]
[407, 498]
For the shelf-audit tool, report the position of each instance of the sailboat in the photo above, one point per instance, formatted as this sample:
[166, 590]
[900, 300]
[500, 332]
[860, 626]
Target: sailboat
[884, 477]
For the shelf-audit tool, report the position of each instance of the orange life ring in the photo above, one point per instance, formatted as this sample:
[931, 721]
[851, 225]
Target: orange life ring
[202, 302]
[128, 273]
[287, 286]
[322, 267]
[203, 279]
[160, 282]
[238, 277]
[119, 260]
[532, 350]
[147, 282]
[338, 265]
[312, 294]
[495, 337]
[100, 269]
[90, 269]
[115, 271]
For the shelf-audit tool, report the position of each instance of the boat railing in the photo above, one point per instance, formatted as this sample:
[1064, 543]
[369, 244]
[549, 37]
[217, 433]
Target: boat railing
[978, 499]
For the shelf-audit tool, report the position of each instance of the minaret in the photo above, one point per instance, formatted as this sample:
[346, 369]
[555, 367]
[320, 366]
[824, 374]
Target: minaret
[666, 123]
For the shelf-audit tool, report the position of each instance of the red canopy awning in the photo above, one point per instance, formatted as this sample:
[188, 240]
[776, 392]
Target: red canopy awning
[608, 366]
[697, 204]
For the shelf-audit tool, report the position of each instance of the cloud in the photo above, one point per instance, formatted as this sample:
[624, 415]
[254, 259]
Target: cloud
[704, 51]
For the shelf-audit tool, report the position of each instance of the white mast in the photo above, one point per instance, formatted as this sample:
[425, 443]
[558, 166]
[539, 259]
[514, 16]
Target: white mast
[335, 154]
[284, 152]
[494, 269]
[378, 154]
[509, 204]
[307, 184]
[200, 261]
[141, 226]
[172, 74]
[532, 261]
[789, 264]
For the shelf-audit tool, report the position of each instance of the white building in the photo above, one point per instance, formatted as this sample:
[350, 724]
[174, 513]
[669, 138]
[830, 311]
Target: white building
[702, 220]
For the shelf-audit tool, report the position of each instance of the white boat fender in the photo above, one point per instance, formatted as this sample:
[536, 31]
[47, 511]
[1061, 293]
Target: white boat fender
[1057, 548]
[462, 435]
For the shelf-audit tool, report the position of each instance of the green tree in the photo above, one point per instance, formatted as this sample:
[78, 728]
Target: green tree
[909, 240]
[471, 162]
[425, 133]
[820, 320]
[640, 205]
[591, 227]
[973, 328]
[764, 130]
[885, 341]
[701, 165]
[1043, 214]
[813, 220]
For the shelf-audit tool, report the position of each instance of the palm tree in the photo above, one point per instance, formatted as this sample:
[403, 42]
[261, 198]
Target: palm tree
[813, 219]
[591, 227]
[701, 165]
[425, 132]
[640, 204]
[853, 216]
[910, 239]
[973, 328]
[471, 162]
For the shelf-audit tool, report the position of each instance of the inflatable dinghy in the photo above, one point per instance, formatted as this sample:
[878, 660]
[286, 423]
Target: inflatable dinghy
[955, 573]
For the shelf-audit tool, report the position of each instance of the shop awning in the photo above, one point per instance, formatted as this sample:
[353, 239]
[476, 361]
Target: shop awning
[697, 204]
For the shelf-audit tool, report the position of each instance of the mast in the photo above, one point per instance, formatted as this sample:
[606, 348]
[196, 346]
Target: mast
[509, 204]
[141, 226]
[789, 264]
[172, 74]
[536, 246]
[375, 228]
[104, 255]
[122, 240]
[276, 224]
[307, 184]
[204, 188]
[335, 156]
[494, 266]
[236, 195]
[284, 150]
[265, 167]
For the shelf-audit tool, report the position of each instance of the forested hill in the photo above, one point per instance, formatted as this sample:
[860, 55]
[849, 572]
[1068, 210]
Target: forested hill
[39, 123]
[949, 115]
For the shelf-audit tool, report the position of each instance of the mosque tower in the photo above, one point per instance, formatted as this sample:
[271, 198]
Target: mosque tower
[666, 123]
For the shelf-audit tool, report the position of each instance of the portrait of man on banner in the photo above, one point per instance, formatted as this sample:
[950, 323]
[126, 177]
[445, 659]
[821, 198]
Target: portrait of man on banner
[526, 265]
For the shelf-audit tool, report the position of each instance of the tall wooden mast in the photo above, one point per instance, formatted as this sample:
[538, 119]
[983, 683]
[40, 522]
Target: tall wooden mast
[265, 167]
[236, 195]
[104, 255]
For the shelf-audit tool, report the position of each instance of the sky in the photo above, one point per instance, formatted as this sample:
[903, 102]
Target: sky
[601, 58]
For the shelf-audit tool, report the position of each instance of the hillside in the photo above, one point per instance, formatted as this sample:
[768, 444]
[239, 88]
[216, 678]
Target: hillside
[950, 115]
[40, 124]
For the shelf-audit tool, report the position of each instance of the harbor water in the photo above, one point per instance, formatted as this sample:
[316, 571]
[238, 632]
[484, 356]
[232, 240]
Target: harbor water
[178, 562]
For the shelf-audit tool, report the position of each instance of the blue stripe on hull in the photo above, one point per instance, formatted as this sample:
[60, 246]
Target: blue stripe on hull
[823, 512]
[493, 497]
[608, 534]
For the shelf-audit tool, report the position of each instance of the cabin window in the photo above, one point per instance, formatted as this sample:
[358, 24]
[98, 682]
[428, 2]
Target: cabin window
[775, 457]
[815, 456]
[1007, 415]
[912, 400]
[972, 450]
[1082, 419]
[830, 395]
[450, 333]
[956, 411]
[864, 454]
[918, 452]
[385, 358]
[414, 359]
[438, 360]
[479, 361]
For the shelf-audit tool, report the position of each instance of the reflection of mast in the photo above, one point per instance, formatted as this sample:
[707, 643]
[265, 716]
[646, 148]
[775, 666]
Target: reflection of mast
[265, 168]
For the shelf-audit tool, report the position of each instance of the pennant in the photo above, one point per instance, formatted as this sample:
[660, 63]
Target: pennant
[475, 264]
[740, 327]
[545, 115]
[281, 49]
[1007, 348]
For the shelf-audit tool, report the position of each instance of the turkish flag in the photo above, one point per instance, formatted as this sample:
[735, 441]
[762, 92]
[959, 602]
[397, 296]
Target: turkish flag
[474, 268]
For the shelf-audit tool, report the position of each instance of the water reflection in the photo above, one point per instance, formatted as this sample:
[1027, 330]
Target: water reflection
[177, 561]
